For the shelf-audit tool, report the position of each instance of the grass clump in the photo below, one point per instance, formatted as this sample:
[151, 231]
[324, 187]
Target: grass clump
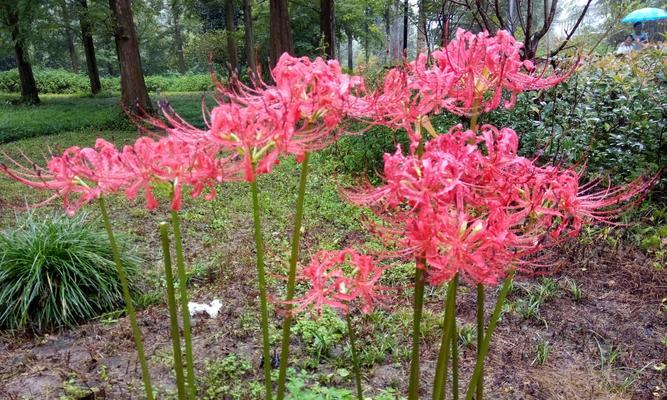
[57, 271]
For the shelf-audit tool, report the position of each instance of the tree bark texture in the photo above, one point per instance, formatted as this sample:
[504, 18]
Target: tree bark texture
[406, 13]
[230, 26]
[69, 38]
[89, 48]
[251, 51]
[178, 36]
[327, 27]
[29, 93]
[133, 87]
[280, 33]
[350, 44]
[421, 29]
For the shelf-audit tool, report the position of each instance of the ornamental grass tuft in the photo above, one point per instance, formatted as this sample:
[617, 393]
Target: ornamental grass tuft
[58, 271]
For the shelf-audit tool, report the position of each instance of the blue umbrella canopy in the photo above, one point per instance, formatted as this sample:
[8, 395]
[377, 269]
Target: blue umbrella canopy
[645, 14]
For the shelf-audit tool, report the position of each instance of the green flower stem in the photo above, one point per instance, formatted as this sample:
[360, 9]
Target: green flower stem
[440, 381]
[261, 278]
[291, 280]
[173, 312]
[455, 357]
[129, 306]
[480, 337]
[183, 294]
[483, 350]
[413, 388]
[355, 359]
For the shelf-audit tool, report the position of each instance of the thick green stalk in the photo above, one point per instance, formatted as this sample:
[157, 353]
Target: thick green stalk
[440, 381]
[355, 359]
[261, 278]
[173, 312]
[413, 388]
[129, 306]
[183, 294]
[483, 350]
[455, 358]
[480, 337]
[291, 280]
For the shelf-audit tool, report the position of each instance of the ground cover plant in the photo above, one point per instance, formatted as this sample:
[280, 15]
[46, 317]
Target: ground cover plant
[352, 281]
[57, 272]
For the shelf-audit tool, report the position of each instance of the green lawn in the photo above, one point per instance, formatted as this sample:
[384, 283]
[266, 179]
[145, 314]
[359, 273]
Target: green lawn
[63, 113]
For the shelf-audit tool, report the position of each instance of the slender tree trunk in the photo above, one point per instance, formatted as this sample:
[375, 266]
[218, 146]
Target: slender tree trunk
[69, 38]
[178, 37]
[89, 48]
[350, 64]
[29, 93]
[134, 94]
[367, 33]
[387, 35]
[251, 54]
[230, 26]
[421, 29]
[406, 13]
[280, 33]
[327, 23]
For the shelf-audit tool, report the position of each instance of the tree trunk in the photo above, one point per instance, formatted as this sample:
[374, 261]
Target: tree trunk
[89, 48]
[280, 33]
[251, 54]
[387, 34]
[29, 93]
[327, 22]
[350, 64]
[230, 26]
[406, 12]
[178, 37]
[69, 39]
[421, 29]
[133, 87]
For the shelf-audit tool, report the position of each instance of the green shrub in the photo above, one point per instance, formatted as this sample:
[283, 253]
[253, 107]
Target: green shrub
[57, 271]
[58, 81]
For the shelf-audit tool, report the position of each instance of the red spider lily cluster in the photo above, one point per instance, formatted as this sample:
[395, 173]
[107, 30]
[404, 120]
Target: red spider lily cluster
[467, 204]
[339, 279]
[471, 75]
[470, 205]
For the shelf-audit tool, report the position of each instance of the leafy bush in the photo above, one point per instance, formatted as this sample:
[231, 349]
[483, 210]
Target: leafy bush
[58, 81]
[611, 114]
[57, 272]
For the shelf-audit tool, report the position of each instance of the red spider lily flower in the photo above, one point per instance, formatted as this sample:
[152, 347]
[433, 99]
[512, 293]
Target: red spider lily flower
[470, 205]
[483, 67]
[78, 176]
[169, 160]
[339, 279]
[300, 113]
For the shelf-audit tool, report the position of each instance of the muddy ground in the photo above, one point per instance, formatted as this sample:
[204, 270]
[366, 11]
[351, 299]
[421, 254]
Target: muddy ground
[610, 344]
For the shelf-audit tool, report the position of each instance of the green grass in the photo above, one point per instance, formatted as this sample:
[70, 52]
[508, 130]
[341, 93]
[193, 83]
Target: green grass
[62, 113]
[57, 271]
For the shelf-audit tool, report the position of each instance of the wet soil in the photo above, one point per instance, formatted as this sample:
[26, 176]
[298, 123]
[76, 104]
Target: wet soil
[610, 344]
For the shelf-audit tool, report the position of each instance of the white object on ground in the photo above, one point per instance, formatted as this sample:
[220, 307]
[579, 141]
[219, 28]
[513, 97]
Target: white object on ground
[212, 309]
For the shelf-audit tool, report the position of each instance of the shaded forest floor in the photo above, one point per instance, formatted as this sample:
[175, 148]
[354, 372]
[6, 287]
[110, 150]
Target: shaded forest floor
[595, 330]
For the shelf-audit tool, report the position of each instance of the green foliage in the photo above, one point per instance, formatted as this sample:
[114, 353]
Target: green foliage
[322, 334]
[612, 114]
[59, 81]
[225, 379]
[57, 272]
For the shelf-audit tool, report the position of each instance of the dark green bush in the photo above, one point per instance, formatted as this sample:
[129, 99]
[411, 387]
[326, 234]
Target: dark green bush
[611, 115]
[58, 81]
[58, 271]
